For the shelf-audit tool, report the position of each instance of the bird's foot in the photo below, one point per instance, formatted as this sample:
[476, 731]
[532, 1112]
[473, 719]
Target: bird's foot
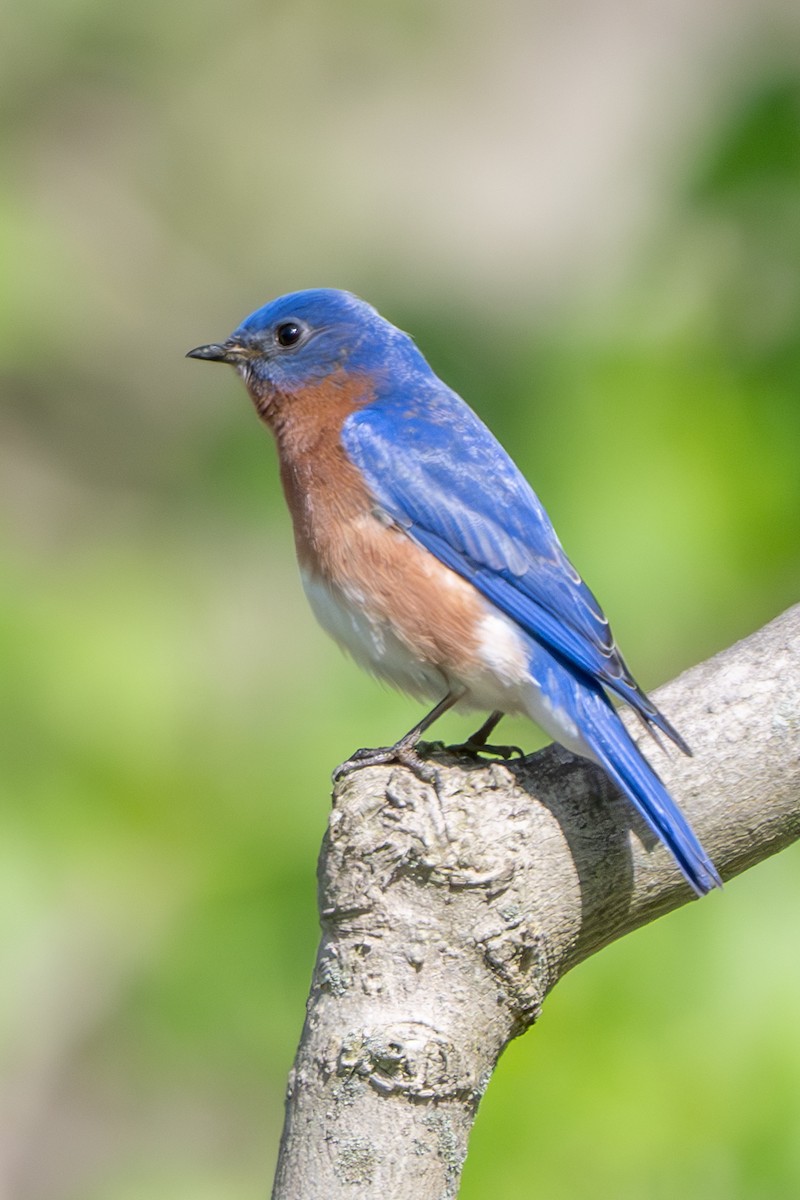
[403, 753]
[473, 749]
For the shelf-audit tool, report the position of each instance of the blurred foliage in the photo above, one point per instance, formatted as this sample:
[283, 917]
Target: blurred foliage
[170, 715]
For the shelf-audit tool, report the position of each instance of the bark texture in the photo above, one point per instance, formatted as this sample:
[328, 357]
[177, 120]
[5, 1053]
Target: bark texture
[449, 913]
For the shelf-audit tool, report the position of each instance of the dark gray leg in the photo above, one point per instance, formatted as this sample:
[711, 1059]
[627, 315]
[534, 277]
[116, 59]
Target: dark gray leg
[479, 742]
[404, 751]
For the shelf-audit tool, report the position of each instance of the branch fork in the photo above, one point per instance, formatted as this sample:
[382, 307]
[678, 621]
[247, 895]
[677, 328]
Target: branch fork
[450, 911]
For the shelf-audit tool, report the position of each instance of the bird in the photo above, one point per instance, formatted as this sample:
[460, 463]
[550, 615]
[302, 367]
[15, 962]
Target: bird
[426, 554]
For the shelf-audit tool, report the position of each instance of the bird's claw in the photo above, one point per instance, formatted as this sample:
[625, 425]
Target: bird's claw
[403, 755]
[476, 749]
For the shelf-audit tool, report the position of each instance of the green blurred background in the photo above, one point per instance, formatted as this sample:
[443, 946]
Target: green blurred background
[589, 217]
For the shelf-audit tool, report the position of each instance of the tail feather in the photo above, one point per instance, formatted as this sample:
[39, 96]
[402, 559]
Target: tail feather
[653, 719]
[626, 766]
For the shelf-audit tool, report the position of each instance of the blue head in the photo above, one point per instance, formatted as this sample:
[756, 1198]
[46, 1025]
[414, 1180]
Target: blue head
[304, 337]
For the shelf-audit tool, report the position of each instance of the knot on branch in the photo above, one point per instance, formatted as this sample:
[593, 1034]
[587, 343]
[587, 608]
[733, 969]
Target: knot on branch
[407, 1057]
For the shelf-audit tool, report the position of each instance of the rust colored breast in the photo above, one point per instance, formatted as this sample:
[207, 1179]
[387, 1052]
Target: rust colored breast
[342, 540]
[324, 491]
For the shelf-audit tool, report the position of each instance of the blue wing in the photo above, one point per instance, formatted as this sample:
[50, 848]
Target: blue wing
[477, 513]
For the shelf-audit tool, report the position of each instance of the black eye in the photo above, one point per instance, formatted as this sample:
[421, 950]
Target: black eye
[288, 334]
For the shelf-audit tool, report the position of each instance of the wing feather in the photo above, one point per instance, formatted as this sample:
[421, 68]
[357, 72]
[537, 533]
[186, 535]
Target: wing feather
[477, 514]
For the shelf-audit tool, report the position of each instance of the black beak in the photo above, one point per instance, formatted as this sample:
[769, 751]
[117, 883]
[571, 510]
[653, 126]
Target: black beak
[225, 353]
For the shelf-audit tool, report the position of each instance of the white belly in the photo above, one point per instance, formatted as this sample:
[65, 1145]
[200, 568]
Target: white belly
[511, 673]
[371, 641]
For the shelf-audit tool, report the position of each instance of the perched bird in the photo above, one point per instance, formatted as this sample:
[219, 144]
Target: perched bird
[425, 553]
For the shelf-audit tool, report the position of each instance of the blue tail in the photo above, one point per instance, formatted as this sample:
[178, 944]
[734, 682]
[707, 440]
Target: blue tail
[625, 765]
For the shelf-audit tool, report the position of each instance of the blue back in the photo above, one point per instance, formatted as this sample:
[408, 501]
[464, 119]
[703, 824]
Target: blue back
[440, 473]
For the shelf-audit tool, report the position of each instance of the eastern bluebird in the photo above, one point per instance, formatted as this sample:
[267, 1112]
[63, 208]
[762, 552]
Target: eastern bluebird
[425, 553]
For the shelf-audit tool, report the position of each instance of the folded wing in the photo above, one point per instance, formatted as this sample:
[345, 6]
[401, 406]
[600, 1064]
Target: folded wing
[479, 516]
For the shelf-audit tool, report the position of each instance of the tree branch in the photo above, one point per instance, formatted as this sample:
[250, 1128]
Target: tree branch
[448, 915]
